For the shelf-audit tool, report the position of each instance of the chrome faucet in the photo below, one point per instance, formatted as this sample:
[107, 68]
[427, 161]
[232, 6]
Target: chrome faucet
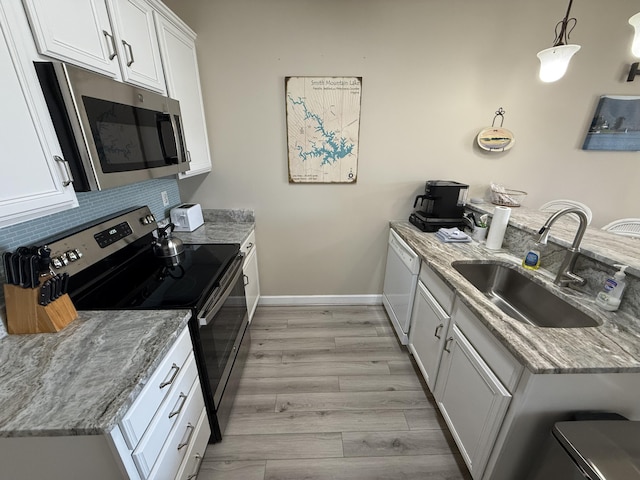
[565, 274]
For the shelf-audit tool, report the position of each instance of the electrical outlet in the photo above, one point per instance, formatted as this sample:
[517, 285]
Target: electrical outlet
[165, 198]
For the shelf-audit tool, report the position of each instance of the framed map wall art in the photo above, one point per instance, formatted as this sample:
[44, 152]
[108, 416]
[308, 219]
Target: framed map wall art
[323, 128]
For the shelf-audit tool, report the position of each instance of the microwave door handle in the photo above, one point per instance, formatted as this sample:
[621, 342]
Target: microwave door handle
[177, 139]
[160, 119]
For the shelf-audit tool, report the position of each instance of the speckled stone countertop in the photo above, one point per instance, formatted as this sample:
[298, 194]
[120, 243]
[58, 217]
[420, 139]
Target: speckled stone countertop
[612, 347]
[597, 243]
[221, 226]
[82, 380]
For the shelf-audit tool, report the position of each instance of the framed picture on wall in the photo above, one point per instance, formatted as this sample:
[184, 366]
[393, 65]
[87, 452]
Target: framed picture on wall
[615, 124]
[323, 128]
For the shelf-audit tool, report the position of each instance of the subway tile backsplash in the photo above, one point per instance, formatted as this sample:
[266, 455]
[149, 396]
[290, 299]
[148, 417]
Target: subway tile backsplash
[93, 205]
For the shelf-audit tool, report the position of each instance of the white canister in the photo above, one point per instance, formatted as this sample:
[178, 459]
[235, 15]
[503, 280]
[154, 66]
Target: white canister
[498, 227]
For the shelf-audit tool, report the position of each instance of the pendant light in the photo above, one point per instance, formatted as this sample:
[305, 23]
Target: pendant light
[635, 46]
[555, 60]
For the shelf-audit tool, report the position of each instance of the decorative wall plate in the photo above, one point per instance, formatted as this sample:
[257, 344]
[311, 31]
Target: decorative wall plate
[496, 139]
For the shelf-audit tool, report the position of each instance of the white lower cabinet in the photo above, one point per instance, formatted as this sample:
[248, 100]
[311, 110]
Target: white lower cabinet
[474, 385]
[167, 444]
[163, 424]
[429, 324]
[250, 271]
[471, 399]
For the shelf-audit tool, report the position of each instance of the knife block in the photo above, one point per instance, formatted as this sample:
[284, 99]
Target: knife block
[26, 315]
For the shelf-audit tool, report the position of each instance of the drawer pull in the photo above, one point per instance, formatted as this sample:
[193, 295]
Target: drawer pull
[246, 280]
[447, 343]
[437, 332]
[182, 398]
[191, 429]
[175, 369]
[197, 469]
[249, 246]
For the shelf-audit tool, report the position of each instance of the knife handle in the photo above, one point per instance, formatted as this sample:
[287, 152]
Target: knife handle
[45, 293]
[8, 271]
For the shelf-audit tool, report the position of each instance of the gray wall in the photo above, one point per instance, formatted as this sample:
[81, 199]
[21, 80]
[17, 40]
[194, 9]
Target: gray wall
[434, 72]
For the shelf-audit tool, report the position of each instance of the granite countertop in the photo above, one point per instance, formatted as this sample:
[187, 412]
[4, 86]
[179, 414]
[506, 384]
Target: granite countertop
[83, 379]
[611, 347]
[596, 243]
[221, 226]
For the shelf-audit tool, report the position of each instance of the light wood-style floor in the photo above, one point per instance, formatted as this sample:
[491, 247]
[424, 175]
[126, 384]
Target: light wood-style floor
[329, 393]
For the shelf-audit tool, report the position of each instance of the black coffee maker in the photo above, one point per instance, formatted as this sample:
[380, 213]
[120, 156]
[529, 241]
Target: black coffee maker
[442, 205]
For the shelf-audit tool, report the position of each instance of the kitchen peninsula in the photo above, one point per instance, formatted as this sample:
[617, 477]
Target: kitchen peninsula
[531, 376]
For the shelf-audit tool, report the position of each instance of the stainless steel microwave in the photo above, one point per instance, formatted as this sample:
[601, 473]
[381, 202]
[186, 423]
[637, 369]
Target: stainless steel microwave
[111, 133]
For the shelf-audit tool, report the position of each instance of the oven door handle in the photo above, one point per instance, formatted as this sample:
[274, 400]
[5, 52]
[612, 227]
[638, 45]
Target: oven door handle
[215, 305]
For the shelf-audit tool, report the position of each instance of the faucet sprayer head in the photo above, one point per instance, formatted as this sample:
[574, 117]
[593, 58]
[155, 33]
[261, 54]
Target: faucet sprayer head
[544, 235]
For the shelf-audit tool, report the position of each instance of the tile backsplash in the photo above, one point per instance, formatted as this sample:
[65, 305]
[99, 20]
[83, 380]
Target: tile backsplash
[93, 205]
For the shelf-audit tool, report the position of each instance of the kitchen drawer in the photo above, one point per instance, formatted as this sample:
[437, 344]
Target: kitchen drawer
[193, 459]
[436, 286]
[182, 435]
[249, 244]
[147, 451]
[138, 417]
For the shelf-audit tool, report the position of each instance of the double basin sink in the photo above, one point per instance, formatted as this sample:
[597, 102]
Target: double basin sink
[520, 297]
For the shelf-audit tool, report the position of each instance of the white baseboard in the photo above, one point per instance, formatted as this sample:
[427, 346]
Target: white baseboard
[292, 300]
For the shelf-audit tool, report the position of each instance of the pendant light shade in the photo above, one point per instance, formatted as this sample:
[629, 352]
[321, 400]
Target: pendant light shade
[635, 46]
[554, 61]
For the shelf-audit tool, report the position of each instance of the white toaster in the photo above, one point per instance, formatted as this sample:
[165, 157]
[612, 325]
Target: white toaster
[187, 217]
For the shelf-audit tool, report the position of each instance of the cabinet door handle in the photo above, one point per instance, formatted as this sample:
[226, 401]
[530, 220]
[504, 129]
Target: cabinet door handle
[129, 50]
[182, 399]
[112, 51]
[447, 343]
[175, 369]
[69, 180]
[246, 280]
[190, 428]
[199, 459]
[437, 332]
[249, 246]
[188, 156]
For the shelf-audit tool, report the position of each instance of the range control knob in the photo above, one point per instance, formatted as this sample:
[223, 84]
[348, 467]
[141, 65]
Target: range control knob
[60, 261]
[147, 219]
[73, 255]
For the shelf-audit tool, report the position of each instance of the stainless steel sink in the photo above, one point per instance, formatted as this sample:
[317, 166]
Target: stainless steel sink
[521, 298]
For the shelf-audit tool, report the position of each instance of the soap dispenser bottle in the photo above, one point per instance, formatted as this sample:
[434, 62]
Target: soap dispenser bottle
[531, 259]
[611, 295]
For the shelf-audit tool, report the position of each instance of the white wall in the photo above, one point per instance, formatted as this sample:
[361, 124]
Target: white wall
[434, 72]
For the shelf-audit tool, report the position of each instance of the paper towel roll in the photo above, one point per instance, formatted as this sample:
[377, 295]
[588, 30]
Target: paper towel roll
[497, 228]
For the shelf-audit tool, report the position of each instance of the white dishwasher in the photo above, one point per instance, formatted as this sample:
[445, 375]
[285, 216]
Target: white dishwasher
[400, 280]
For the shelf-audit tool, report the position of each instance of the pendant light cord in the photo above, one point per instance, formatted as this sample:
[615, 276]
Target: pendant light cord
[562, 36]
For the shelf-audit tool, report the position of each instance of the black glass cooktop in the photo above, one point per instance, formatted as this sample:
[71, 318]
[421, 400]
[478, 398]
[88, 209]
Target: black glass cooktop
[147, 282]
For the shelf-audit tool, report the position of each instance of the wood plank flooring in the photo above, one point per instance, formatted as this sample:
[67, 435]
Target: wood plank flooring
[328, 393]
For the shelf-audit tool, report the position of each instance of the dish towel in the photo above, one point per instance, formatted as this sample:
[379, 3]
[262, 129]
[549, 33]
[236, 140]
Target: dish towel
[452, 235]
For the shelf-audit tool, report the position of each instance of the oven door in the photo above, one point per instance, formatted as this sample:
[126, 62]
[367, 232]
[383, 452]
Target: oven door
[221, 340]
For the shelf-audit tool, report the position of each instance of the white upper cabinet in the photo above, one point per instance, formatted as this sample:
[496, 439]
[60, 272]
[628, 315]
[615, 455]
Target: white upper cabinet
[35, 181]
[113, 37]
[137, 44]
[178, 51]
[75, 32]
